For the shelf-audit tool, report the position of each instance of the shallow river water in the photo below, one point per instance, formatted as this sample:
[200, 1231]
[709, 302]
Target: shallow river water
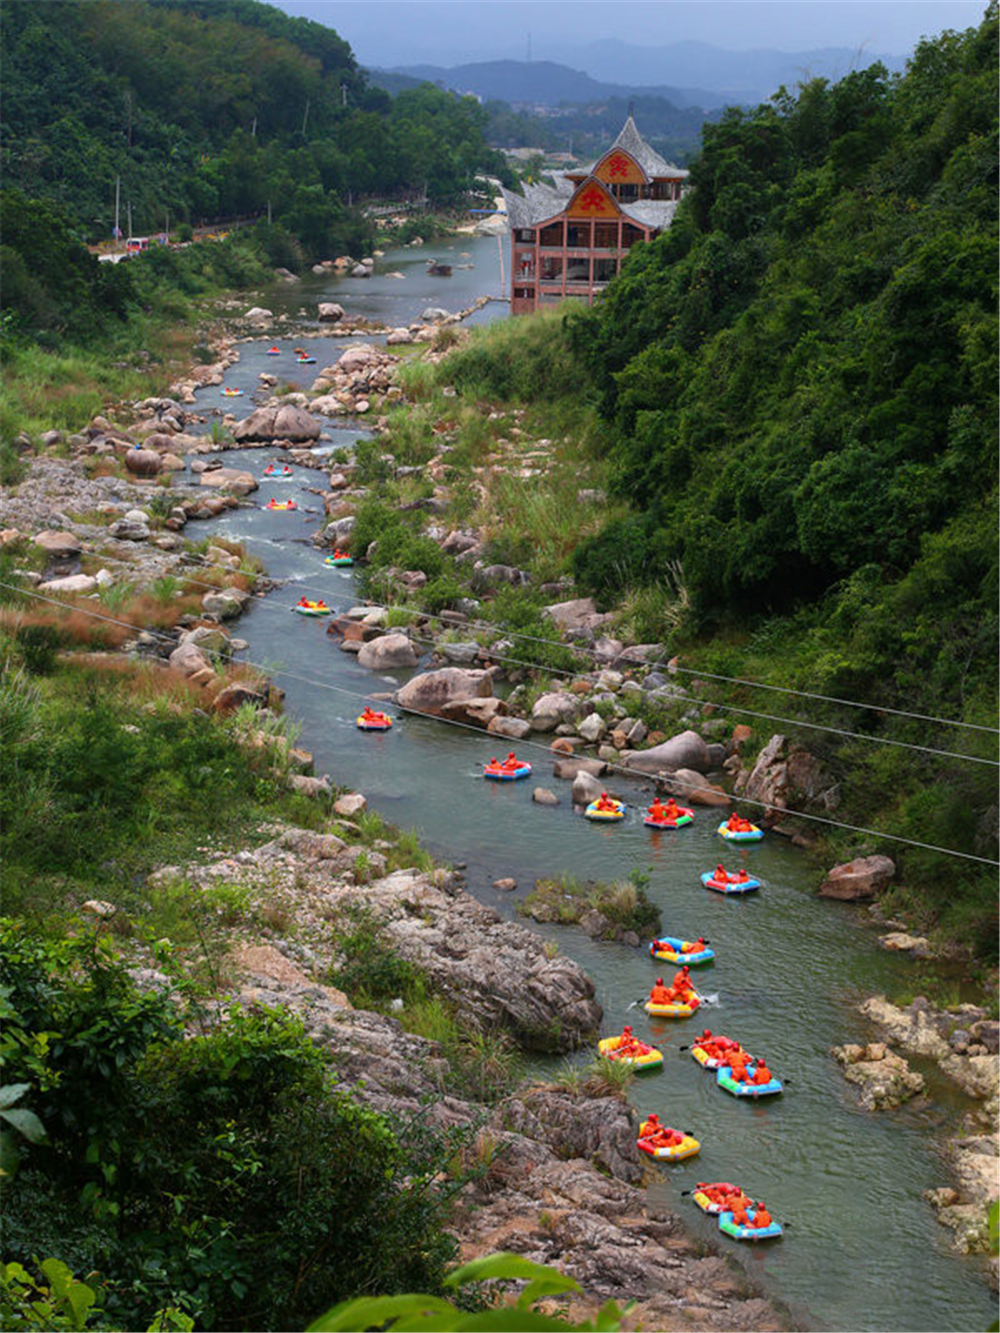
[863, 1250]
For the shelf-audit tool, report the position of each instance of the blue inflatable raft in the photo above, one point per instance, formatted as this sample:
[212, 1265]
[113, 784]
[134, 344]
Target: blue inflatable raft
[670, 948]
[725, 1080]
[710, 881]
[727, 1225]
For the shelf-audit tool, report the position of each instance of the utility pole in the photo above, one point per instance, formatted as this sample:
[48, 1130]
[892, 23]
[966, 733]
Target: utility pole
[128, 210]
[305, 117]
[118, 190]
[253, 128]
[269, 212]
[166, 223]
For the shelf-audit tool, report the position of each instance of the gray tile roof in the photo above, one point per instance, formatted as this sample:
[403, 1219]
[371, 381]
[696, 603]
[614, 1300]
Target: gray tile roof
[648, 158]
[651, 212]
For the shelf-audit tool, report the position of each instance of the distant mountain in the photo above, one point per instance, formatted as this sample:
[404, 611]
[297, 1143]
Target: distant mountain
[541, 83]
[688, 74]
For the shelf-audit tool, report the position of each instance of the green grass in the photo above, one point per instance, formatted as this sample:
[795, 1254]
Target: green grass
[625, 904]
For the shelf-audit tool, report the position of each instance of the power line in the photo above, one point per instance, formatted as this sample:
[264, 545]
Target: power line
[731, 708]
[539, 745]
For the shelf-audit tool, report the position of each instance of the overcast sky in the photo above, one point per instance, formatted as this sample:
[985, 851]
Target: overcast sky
[392, 32]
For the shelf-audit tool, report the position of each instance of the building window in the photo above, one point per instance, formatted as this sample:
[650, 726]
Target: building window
[552, 267]
[524, 264]
[631, 235]
[578, 271]
[605, 235]
[552, 235]
[605, 269]
[526, 236]
[523, 293]
[578, 236]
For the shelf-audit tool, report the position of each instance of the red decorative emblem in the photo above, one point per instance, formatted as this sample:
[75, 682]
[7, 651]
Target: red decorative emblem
[592, 200]
[618, 165]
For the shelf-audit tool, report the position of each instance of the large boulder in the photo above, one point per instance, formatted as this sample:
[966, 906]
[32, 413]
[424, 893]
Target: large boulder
[143, 462]
[473, 712]
[572, 615]
[258, 315]
[188, 659]
[857, 880]
[390, 652]
[59, 544]
[552, 709]
[693, 787]
[431, 690]
[685, 750]
[329, 312]
[914, 1029]
[231, 479]
[130, 529]
[339, 530]
[511, 728]
[224, 604]
[282, 422]
[433, 315]
[499, 970]
[884, 1078]
[786, 776]
[359, 357]
[586, 788]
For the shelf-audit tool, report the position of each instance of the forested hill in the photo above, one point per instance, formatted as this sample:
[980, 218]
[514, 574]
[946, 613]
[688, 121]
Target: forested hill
[209, 108]
[798, 393]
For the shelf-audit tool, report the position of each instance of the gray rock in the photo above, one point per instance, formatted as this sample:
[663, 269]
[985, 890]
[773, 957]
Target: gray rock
[206, 638]
[860, 879]
[143, 462]
[329, 312]
[460, 653]
[234, 480]
[574, 614]
[542, 796]
[72, 583]
[568, 768]
[551, 709]
[283, 422]
[685, 750]
[188, 659]
[337, 532]
[433, 315]
[127, 530]
[431, 690]
[225, 604]
[59, 544]
[586, 788]
[592, 728]
[511, 728]
[388, 653]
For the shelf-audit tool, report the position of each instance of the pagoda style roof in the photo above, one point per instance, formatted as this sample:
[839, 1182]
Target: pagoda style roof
[631, 141]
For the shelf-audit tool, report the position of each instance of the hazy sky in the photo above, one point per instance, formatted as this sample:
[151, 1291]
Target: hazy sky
[392, 32]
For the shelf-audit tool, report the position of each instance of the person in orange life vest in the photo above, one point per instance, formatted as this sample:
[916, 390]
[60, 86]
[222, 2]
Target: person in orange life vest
[369, 715]
[661, 1135]
[659, 994]
[740, 1216]
[761, 1074]
[721, 874]
[626, 1041]
[680, 987]
[510, 761]
[762, 1218]
[657, 810]
[696, 947]
[733, 823]
[738, 1067]
[742, 876]
[604, 802]
[671, 809]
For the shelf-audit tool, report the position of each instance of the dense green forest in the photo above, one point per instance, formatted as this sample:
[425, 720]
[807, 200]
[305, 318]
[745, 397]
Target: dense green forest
[209, 110]
[798, 391]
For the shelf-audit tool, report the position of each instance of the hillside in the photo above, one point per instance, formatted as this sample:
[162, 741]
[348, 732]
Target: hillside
[215, 110]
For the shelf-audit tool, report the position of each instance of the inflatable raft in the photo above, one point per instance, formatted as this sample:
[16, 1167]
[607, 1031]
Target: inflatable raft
[712, 1062]
[752, 834]
[339, 560]
[647, 1057]
[273, 351]
[687, 1147]
[306, 360]
[281, 504]
[731, 884]
[312, 609]
[592, 812]
[280, 470]
[501, 773]
[670, 949]
[705, 1197]
[683, 816]
[672, 1010]
[753, 1091]
[374, 722]
[232, 393]
[727, 1225]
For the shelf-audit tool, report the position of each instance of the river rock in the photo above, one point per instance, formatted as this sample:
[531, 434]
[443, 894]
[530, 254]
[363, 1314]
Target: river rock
[511, 728]
[551, 709]
[129, 530]
[207, 638]
[592, 728]
[859, 879]
[917, 946]
[350, 804]
[542, 796]
[786, 775]
[462, 654]
[224, 604]
[885, 1079]
[329, 312]
[188, 659]
[143, 462]
[976, 1075]
[685, 750]
[913, 1029]
[433, 314]
[388, 653]
[586, 788]
[284, 422]
[473, 712]
[231, 479]
[431, 690]
[693, 787]
[337, 532]
[499, 969]
[62, 545]
[307, 786]
[258, 314]
[72, 583]
[568, 768]
[359, 358]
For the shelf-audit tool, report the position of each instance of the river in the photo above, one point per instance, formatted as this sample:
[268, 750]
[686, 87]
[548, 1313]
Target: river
[863, 1250]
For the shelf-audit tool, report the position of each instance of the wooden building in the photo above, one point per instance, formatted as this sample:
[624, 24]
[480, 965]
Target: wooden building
[568, 240]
